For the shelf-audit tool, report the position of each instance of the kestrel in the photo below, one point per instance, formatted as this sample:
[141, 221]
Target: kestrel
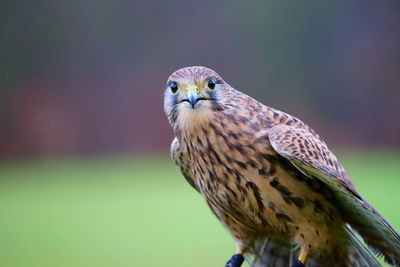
[270, 179]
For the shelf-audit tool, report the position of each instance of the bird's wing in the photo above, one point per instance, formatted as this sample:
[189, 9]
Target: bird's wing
[182, 163]
[311, 156]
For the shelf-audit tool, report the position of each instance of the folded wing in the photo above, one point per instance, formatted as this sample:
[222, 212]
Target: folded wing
[310, 155]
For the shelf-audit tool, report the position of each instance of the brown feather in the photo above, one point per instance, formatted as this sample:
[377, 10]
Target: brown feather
[263, 173]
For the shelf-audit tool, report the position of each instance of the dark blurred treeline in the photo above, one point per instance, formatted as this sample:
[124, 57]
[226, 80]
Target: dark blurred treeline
[84, 76]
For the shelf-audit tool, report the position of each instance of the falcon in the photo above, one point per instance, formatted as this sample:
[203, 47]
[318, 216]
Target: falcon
[270, 179]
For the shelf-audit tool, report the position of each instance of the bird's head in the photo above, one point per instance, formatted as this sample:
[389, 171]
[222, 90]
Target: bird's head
[193, 95]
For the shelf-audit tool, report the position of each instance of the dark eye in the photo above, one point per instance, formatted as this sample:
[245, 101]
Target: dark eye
[211, 83]
[173, 86]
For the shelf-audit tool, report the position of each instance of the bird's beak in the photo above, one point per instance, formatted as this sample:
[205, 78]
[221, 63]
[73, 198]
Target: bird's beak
[192, 95]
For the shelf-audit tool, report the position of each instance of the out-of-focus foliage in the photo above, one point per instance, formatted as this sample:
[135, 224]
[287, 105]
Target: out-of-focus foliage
[124, 211]
[88, 76]
[85, 77]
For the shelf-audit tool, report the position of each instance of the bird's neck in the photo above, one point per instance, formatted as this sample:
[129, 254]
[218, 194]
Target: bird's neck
[192, 122]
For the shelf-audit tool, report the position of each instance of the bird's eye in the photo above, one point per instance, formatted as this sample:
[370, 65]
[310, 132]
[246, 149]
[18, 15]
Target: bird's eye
[173, 86]
[212, 83]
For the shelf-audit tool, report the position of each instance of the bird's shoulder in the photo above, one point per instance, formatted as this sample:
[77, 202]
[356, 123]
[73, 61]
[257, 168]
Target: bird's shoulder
[297, 142]
[267, 116]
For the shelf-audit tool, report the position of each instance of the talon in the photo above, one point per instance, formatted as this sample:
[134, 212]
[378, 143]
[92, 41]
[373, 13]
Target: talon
[235, 261]
[301, 260]
[298, 263]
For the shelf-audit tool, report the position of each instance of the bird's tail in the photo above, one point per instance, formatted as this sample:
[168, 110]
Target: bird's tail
[273, 252]
[279, 253]
[359, 255]
[375, 231]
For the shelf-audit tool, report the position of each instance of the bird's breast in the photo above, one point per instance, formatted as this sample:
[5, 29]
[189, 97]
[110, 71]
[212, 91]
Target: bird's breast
[227, 163]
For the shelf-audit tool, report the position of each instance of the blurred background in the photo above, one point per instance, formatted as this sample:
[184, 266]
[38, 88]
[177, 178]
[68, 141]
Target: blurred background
[85, 178]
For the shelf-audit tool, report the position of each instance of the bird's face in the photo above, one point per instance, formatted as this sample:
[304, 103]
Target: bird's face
[192, 94]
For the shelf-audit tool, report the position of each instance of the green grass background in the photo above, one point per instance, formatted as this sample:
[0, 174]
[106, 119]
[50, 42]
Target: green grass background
[136, 211]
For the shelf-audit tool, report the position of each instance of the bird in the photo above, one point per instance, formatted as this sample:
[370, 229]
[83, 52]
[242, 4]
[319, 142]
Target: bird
[270, 179]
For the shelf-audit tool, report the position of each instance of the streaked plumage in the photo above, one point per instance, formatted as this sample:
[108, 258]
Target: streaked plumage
[269, 178]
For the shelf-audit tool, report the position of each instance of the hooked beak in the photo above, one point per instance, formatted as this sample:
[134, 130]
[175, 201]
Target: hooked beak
[193, 96]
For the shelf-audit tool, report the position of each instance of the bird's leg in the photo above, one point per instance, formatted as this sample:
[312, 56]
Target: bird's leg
[301, 260]
[236, 260]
